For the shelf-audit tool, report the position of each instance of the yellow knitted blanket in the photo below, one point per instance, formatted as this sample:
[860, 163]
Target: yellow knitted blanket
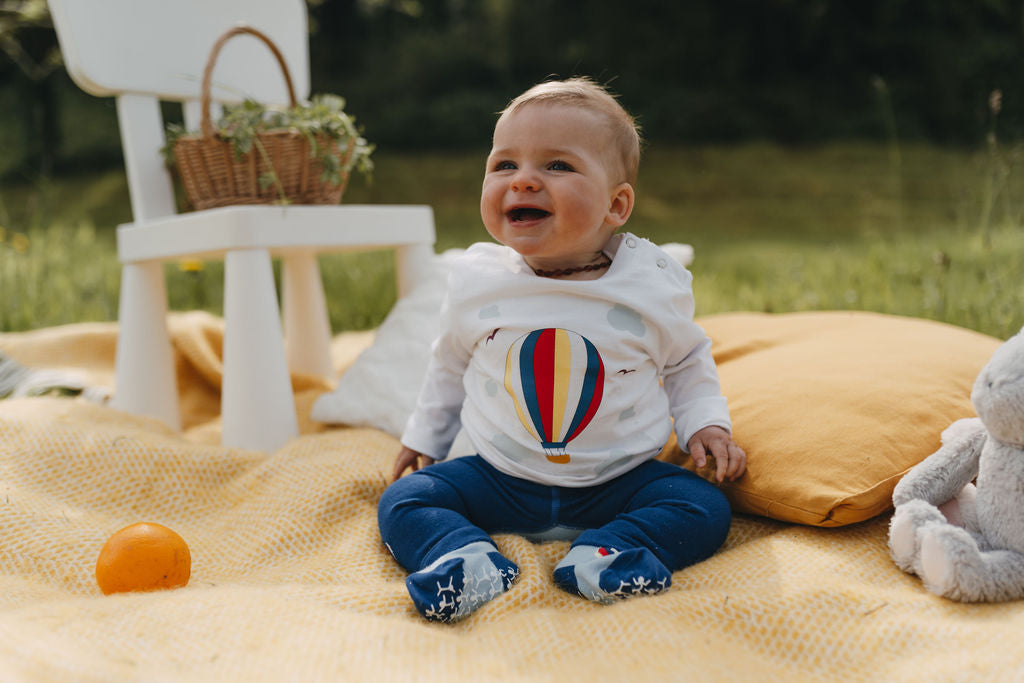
[290, 580]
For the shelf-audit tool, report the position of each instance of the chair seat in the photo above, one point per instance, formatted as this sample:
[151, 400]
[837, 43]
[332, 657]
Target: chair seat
[278, 229]
[257, 407]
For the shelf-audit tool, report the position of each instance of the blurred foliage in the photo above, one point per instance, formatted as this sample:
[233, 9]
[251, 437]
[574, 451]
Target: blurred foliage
[29, 57]
[786, 70]
[26, 37]
[430, 74]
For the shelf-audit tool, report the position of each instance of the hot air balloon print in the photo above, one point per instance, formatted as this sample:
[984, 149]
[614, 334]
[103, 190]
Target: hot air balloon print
[556, 380]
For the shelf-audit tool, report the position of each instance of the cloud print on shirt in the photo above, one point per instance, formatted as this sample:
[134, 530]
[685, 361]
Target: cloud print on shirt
[512, 449]
[626, 319]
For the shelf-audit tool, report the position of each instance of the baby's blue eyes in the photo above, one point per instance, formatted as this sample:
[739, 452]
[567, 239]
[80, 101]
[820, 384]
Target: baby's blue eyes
[553, 166]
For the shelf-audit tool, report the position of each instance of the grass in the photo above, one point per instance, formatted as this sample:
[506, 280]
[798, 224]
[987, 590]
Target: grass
[940, 234]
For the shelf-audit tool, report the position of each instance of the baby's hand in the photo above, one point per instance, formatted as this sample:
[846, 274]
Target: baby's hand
[407, 458]
[730, 460]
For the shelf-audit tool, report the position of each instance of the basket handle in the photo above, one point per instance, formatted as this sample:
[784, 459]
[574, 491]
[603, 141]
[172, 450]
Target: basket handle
[206, 124]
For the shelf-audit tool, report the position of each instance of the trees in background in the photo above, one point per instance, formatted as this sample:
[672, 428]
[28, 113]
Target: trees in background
[432, 73]
[790, 70]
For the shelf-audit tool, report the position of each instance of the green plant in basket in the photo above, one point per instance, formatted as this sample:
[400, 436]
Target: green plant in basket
[335, 143]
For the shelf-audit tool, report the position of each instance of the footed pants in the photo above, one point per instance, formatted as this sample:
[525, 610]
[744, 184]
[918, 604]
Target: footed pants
[672, 512]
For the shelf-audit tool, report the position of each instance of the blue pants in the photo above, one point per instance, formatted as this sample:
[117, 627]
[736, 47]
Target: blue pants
[672, 512]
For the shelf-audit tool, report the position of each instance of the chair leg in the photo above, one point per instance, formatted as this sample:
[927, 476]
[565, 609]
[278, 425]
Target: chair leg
[414, 264]
[257, 406]
[145, 383]
[307, 329]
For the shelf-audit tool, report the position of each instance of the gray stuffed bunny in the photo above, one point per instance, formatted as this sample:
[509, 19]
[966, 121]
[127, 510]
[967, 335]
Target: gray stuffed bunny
[966, 541]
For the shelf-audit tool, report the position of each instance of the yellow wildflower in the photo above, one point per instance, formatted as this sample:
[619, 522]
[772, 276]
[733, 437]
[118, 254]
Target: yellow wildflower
[190, 265]
[20, 242]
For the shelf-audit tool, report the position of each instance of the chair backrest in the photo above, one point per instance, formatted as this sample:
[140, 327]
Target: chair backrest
[145, 51]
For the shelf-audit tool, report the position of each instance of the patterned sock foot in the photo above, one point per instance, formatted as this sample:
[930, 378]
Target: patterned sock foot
[459, 582]
[605, 574]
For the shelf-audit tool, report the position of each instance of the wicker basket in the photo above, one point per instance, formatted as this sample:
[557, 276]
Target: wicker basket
[213, 175]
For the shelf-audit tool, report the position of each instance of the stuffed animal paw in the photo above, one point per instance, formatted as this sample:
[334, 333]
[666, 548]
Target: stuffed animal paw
[959, 518]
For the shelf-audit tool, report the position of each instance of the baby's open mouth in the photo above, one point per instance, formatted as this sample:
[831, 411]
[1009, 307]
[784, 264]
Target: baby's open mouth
[527, 214]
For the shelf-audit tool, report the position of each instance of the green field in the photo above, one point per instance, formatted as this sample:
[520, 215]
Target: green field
[919, 231]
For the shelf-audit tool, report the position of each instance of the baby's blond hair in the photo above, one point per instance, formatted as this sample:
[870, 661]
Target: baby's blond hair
[584, 92]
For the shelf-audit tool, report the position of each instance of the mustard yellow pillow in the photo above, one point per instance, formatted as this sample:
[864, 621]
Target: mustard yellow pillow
[833, 408]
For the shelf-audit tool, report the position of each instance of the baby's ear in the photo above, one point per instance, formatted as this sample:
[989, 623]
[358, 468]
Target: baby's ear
[621, 205]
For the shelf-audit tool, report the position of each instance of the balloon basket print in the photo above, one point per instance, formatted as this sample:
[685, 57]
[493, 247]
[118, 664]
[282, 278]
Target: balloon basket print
[556, 380]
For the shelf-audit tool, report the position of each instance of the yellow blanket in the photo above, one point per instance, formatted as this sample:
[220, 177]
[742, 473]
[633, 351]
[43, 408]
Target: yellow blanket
[290, 581]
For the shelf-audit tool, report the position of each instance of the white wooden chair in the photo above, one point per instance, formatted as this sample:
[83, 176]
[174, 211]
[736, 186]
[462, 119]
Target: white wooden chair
[143, 52]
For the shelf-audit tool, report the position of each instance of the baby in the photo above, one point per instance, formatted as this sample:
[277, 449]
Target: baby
[567, 353]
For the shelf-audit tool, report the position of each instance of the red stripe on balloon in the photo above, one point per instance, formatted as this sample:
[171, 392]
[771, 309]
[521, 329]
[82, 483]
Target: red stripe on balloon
[544, 378]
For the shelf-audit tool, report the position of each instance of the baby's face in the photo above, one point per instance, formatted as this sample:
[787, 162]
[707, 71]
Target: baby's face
[549, 191]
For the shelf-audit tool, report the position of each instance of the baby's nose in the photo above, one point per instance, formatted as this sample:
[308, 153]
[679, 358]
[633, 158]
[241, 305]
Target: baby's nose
[524, 181]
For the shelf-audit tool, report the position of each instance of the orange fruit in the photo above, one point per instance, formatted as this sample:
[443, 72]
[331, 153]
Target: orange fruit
[143, 557]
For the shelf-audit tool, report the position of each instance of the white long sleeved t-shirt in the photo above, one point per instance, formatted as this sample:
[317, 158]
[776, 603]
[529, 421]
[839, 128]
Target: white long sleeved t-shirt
[567, 382]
